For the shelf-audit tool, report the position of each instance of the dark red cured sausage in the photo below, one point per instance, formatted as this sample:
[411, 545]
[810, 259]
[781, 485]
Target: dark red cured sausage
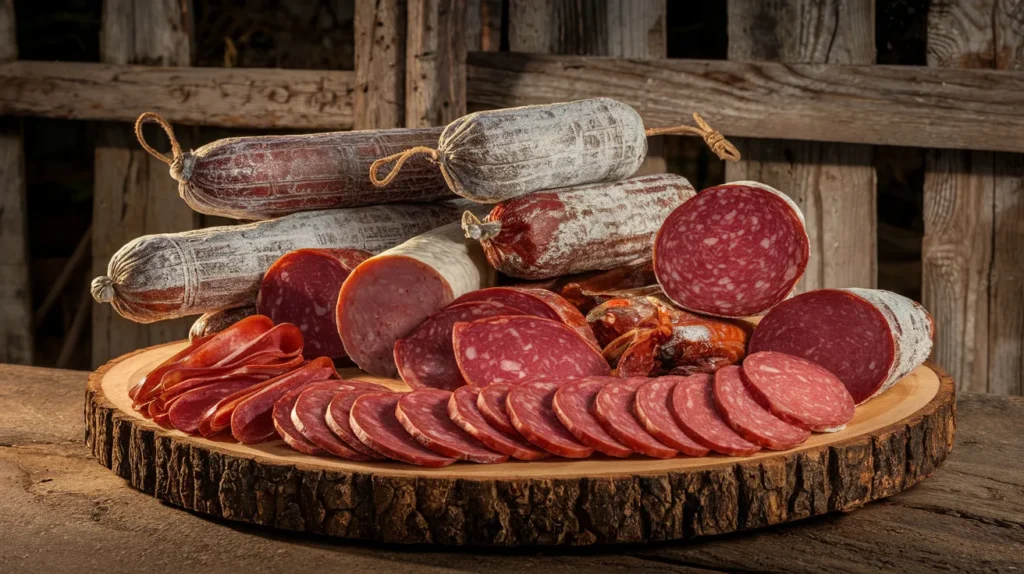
[520, 348]
[252, 418]
[424, 415]
[653, 409]
[188, 409]
[373, 420]
[426, 358]
[868, 338]
[282, 416]
[693, 405]
[491, 402]
[536, 302]
[613, 408]
[529, 408]
[337, 418]
[309, 416]
[463, 411]
[574, 405]
[735, 250]
[740, 409]
[302, 288]
[798, 391]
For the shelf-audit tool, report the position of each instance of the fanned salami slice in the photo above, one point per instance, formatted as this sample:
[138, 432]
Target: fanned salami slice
[309, 416]
[491, 402]
[338, 420]
[740, 409]
[613, 408]
[574, 406]
[734, 250]
[529, 408]
[373, 420]
[536, 302]
[693, 405]
[653, 408]
[282, 415]
[424, 415]
[188, 409]
[252, 419]
[520, 348]
[463, 410]
[869, 338]
[798, 391]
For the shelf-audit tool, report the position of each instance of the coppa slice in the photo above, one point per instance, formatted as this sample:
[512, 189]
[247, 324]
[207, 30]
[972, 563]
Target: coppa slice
[740, 409]
[869, 338]
[574, 404]
[653, 408]
[424, 415]
[693, 405]
[309, 415]
[252, 419]
[529, 408]
[338, 420]
[518, 349]
[188, 409]
[732, 251]
[282, 415]
[463, 411]
[798, 391]
[536, 302]
[613, 407]
[373, 420]
[491, 402]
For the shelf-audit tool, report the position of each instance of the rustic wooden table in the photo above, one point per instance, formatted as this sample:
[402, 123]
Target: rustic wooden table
[61, 511]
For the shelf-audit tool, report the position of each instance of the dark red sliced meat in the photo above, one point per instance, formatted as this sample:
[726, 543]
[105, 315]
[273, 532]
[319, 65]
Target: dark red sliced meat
[491, 402]
[613, 408]
[529, 407]
[309, 416]
[285, 428]
[538, 303]
[740, 409]
[463, 411]
[252, 418]
[653, 409]
[424, 415]
[798, 391]
[188, 409]
[574, 406]
[338, 420]
[693, 405]
[374, 422]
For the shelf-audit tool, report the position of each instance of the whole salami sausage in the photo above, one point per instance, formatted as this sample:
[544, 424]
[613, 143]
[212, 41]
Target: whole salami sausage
[739, 407]
[424, 415]
[574, 406]
[164, 276]
[260, 177]
[798, 391]
[529, 407]
[536, 302]
[868, 338]
[464, 412]
[213, 322]
[302, 288]
[585, 228]
[373, 420]
[693, 405]
[734, 250]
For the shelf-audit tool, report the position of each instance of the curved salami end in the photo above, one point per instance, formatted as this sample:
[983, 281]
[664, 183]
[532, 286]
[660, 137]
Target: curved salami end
[798, 391]
[424, 415]
[693, 406]
[463, 411]
[739, 407]
[614, 408]
[374, 422]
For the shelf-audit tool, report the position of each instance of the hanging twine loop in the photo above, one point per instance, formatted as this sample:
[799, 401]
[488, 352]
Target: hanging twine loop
[479, 230]
[156, 119]
[722, 147]
[399, 158]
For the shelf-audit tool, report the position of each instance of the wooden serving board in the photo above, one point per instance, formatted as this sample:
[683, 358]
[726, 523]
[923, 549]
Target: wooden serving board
[893, 442]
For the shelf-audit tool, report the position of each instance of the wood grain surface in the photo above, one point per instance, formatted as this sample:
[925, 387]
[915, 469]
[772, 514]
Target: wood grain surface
[379, 95]
[435, 81]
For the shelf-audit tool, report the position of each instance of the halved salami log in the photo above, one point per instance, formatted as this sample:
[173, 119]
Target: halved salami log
[536, 302]
[464, 412]
[302, 287]
[213, 322]
[574, 406]
[520, 348]
[739, 407]
[734, 250]
[282, 416]
[424, 415]
[491, 402]
[613, 408]
[373, 420]
[389, 295]
[868, 338]
[188, 409]
[577, 229]
[309, 416]
[653, 409]
[252, 419]
[798, 391]
[529, 407]
[338, 420]
[693, 405]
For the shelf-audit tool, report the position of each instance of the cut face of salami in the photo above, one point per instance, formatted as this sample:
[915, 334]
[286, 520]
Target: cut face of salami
[536, 302]
[519, 349]
[463, 411]
[693, 405]
[285, 428]
[653, 409]
[309, 416]
[734, 250]
[740, 409]
[798, 391]
[373, 420]
[338, 420]
[529, 407]
[574, 406]
[491, 402]
[613, 407]
[424, 415]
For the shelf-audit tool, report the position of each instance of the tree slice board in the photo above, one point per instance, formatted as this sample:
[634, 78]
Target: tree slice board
[894, 442]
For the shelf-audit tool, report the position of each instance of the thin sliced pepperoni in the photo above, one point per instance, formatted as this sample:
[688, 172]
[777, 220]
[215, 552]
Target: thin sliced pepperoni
[374, 422]
[693, 405]
[424, 415]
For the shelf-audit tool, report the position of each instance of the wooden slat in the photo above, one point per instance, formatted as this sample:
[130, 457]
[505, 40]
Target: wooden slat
[379, 98]
[435, 79]
[834, 184]
[973, 271]
[885, 105]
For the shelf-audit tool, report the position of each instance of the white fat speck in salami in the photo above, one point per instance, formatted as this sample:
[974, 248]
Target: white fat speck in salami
[529, 407]
[653, 408]
[574, 405]
[491, 402]
[338, 420]
[613, 408]
[740, 409]
[374, 422]
[536, 302]
[734, 250]
[693, 406]
[309, 415]
[798, 391]
[424, 415]
[463, 411]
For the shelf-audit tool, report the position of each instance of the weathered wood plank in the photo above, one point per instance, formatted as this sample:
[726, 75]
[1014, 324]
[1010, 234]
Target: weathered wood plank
[973, 272]
[435, 79]
[379, 98]
[884, 105]
[834, 184]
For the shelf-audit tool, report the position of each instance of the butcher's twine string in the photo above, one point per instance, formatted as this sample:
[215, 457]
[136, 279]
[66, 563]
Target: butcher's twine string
[722, 147]
[479, 230]
[155, 118]
[401, 158]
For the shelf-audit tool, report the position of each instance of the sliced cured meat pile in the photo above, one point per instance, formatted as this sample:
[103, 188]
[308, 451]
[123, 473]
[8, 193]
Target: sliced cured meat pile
[868, 338]
[186, 412]
[614, 408]
[373, 420]
[734, 250]
[309, 416]
[424, 415]
[693, 405]
[491, 402]
[536, 302]
[653, 409]
[798, 391]
[302, 287]
[530, 409]
[465, 413]
[520, 348]
[739, 407]
[338, 419]
[573, 404]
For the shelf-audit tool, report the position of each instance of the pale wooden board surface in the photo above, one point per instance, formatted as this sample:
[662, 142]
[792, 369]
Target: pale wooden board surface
[378, 98]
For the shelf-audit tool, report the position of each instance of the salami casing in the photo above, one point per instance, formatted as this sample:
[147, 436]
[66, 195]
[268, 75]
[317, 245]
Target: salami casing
[373, 420]
[536, 302]
[739, 407]
[464, 412]
[164, 276]
[573, 404]
[868, 338]
[389, 295]
[653, 409]
[424, 415]
[529, 407]
[798, 391]
[613, 407]
[693, 405]
[213, 322]
[573, 230]
[734, 250]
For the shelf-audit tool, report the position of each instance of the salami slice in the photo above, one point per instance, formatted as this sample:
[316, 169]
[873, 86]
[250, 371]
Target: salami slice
[373, 420]
[463, 411]
[187, 410]
[338, 420]
[868, 338]
[740, 409]
[302, 288]
[653, 409]
[574, 405]
[589, 291]
[536, 302]
[282, 416]
[735, 250]
[309, 416]
[529, 407]
[693, 405]
[491, 402]
[213, 322]
[520, 348]
[613, 408]
[798, 391]
[424, 415]
[252, 419]
[389, 295]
